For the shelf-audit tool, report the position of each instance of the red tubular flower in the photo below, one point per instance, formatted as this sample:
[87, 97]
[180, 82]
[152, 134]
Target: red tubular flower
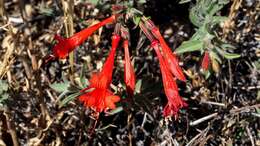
[171, 58]
[205, 61]
[66, 45]
[129, 71]
[175, 102]
[101, 98]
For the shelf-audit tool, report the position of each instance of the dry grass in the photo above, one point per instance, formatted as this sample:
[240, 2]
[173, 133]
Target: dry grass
[223, 110]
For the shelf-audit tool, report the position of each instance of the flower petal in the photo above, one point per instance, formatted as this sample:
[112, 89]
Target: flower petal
[65, 46]
[129, 76]
[170, 87]
[205, 61]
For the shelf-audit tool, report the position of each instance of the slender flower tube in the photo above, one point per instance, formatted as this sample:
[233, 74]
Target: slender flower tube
[175, 102]
[66, 45]
[101, 98]
[171, 58]
[205, 61]
[129, 76]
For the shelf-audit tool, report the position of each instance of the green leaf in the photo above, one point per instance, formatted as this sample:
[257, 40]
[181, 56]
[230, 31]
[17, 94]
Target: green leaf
[199, 34]
[83, 80]
[3, 86]
[214, 55]
[207, 74]
[135, 12]
[60, 87]
[69, 98]
[3, 97]
[219, 18]
[142, 1]
[184, 1]
[115, 111]
[196, 17]
[189, 46]
[227, 46]
[214, 9]
[138, 86]
[228, 55]
[231, 55]
[136, 20]
[94, 2]
[258, 110]
[46, 11]
[257, 64]
[63, 94]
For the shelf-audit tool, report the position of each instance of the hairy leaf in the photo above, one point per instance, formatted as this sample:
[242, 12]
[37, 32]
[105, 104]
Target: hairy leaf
[189, 46]
[60, 87]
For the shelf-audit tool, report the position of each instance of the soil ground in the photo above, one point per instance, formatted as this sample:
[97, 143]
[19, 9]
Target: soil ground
[223, 109]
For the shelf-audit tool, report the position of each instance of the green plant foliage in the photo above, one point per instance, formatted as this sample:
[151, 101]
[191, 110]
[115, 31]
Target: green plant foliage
[189, 46]
[3, 92]
[115, 111]
[184, 1]
[60, 87]
[69, 92]
[205, 8]
[94, 2]
[141, 1]
[204, 16]
[138, 86]
[83, 81]
[68, 98]
[228, 55]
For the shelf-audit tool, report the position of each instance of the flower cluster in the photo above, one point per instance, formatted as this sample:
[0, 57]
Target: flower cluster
[169, 66]
[98, 95]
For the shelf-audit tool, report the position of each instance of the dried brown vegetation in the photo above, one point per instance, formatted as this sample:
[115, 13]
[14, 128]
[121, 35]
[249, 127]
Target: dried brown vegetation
[223, 109]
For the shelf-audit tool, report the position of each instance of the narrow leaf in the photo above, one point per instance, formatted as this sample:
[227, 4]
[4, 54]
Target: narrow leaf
[228, 46]
[228, 55]
[189, 46]
[94, 2]
[60, 87]
[214, 55]
[137, 19]
[115, 111]
[69, 98]
[231, 55]
[138, 86]
[184, 1]
[83, 80]
[3, 97]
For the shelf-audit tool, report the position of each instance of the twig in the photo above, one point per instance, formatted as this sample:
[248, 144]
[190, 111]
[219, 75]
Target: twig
[194, 123]
[230, 76]
[247, 88]
[144, 119]
[233, 111]
[106, 127]
[214, 103]
[198, 136]
[10, 127]
[247, 108]
[68, 13]
[250, 136]
[256, 115]
[4, 26]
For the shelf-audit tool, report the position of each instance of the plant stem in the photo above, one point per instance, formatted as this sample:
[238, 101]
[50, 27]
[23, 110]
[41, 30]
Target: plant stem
[10, 128]
[68, 13]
